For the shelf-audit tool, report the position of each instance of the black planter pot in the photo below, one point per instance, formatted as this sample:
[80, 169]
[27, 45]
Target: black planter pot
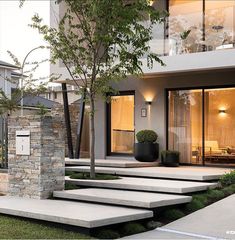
[170, 159]
[146, 152]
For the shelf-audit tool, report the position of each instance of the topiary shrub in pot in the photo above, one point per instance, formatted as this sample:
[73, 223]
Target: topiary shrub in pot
[170, 158]
[147, 149]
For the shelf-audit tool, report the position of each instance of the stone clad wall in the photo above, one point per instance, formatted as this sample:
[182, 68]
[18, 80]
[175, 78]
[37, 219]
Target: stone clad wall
[74, 112]
[3, 183]
[37, 175]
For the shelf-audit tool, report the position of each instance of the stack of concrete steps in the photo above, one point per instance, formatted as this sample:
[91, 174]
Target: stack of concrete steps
[128, 194]
[104, 202]
[135, 192]
[139, 187]
[145, 187]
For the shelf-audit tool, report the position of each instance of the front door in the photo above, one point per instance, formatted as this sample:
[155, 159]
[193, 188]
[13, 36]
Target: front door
[121, 133]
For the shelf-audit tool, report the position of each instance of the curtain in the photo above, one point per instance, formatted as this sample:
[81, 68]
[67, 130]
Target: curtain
[180, 133]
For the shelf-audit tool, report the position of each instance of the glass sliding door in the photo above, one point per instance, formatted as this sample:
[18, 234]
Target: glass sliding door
[185, 124]
[121, 124]
[220, 23]
[185, 24]
[220, 126]
[201, 125]
[202, 25]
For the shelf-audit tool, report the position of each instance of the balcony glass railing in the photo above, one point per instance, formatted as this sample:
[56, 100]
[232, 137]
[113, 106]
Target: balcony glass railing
[195, 32]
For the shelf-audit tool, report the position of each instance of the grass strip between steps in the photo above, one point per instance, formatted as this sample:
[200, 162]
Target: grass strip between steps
[86, 176]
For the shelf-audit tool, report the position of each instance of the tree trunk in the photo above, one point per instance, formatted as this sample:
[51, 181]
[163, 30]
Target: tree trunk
[92, 138]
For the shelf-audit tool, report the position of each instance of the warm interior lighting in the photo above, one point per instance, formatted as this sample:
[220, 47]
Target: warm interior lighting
[122, 124]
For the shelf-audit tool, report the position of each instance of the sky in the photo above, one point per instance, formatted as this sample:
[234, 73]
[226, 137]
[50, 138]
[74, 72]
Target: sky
[17, 37]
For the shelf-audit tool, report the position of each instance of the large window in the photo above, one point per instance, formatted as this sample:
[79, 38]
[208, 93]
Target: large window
[201, 125]
[121, 119]
[220, 125]
[202, 25]
[220, 23]
[185, 124]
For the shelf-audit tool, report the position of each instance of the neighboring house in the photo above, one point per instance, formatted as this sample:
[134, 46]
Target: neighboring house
[32, 105]
[189, 102]
[6, 84]
[8, 81]
[7, 74]
[54, 93]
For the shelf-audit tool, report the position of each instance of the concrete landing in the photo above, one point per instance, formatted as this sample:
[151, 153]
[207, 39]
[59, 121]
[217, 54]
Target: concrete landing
[146, 184]
[122, 197]
[72, 213]
[215, 221]
[182, 172]
[117, 163]
[158, 234]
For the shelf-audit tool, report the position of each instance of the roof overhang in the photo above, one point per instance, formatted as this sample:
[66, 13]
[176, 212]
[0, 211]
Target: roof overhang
[187, 72]
[8, 66]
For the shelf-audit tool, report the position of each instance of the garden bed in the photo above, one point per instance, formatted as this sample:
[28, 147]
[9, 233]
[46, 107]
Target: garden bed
[98, 176]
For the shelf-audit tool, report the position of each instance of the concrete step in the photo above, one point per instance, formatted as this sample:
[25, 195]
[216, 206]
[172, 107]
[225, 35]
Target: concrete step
[146, 184]
[116, 163]
[123, 197]
[182, 172]
[79, 214]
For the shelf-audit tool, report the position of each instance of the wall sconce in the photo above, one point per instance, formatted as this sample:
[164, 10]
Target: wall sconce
[148, 102]
[222, 111]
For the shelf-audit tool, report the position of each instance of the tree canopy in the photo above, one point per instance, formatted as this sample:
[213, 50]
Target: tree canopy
[101, 42]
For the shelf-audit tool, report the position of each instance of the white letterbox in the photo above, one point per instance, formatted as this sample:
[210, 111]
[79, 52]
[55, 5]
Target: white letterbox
[23, 143]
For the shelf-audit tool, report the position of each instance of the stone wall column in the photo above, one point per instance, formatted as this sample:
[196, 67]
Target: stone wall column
[36, 175]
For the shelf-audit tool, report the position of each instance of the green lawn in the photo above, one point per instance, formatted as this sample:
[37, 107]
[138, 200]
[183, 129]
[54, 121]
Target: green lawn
[14, 228]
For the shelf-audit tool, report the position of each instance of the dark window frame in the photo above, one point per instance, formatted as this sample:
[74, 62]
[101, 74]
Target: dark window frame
[203, 88]
[108, 123]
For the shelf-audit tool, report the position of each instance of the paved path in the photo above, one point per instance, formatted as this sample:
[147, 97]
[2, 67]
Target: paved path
[216, 221]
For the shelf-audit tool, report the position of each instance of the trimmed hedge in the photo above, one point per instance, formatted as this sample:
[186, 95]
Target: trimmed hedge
[146, 136]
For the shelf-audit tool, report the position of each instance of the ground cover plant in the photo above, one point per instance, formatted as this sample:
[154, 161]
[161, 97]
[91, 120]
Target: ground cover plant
[99, 176]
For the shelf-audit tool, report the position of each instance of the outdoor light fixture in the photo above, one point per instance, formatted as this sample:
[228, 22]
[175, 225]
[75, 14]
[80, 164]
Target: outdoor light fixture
[148, 102]
[222, 111]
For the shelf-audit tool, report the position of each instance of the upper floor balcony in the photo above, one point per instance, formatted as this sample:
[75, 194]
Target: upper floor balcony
[198, 34]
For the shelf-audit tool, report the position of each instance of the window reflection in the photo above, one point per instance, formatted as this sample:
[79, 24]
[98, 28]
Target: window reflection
[194, 31]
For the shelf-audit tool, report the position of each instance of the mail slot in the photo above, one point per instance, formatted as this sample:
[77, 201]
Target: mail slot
[23, 143]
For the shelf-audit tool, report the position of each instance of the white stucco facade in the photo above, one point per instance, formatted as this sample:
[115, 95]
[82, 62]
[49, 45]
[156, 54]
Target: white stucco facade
[213, 68]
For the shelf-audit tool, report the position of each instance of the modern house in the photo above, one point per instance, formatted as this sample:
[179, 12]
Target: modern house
[54, 93]
[189, 102]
